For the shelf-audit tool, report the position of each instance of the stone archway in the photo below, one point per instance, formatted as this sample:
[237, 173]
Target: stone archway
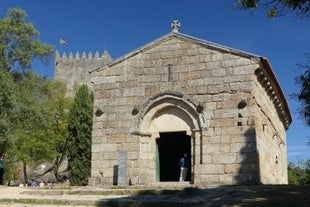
[171, 122]
[180, 110]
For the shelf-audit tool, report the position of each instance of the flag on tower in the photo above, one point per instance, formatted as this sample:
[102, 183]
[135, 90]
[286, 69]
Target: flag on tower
[63, 42]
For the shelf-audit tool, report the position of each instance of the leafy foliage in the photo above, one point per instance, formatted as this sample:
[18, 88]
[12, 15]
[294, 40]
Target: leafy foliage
[33, 109]
[8, 100]
[304, 94]
[19, 43]
[34, 118]
[299, 174]
[278, 7]
[79, 140]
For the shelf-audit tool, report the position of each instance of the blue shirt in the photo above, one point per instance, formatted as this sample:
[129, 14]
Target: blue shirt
[1, 163]
[184, 162]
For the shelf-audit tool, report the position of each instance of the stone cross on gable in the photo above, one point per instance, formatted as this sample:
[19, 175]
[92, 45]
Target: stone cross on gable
[175, 26]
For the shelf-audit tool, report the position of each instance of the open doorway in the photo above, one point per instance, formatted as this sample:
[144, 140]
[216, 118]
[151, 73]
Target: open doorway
[170, 148]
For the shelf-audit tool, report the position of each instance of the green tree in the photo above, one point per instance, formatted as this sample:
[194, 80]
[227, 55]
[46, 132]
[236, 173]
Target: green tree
[295, 174]
[38, 120]
[304, 94]
[61, 105]
[278, 7]
[79, 140]
[307, 172]
[299, 174]
[19, 43]
[32, 118]
[33, 109]
[7, 102]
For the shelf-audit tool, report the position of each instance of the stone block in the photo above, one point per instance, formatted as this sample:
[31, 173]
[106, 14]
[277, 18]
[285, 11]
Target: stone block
[107, 147]
[248, 158]
[95, 156]
[225, 148]
[211, 148]
[243, 147]
[97, 148]
[193, 75]
[218, 72]
[228, 179]
[232, 168]
[195, 83]
[249, 168]
[109, 155]
[136, 91]
[145, 147]
[223, 88]
[232, 131]
[120, 138]
[228, 63]
[226, 113]
[213, 65]
[212, 80]
[214, 140]
[210, 179]
[217, 131]
[151, 90]
[214, 169]
[133, 155]
[213, 89]
[244, 61]
[238, 147]
[241, 70]
[224, 158]
[129, 147]
[226, 139]
[222, 122]
[206, 158]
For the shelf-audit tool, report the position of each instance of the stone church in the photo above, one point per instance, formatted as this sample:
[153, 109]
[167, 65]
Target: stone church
[179, 94]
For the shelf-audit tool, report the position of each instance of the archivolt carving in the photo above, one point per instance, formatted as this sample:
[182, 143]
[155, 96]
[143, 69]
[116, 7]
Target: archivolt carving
[171, 102]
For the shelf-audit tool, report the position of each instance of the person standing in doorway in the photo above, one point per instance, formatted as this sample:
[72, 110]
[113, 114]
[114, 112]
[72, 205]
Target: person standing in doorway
[2, 157]
[184, 164]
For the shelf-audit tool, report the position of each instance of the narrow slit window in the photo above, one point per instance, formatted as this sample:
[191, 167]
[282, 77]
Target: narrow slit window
[169, 73]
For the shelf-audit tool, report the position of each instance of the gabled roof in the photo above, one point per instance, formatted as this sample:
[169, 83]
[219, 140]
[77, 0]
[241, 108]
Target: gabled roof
[212, 46]
[185, 37]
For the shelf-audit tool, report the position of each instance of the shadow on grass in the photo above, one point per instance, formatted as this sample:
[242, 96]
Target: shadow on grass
[225, 196]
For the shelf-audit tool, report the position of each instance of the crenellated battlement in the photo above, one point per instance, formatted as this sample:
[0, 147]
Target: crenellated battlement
[89, 56]
[74, 69]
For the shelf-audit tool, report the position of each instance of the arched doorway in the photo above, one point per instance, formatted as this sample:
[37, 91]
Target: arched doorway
[170, 148]
[171, 120]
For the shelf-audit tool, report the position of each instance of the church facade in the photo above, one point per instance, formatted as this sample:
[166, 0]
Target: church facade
[180, 94]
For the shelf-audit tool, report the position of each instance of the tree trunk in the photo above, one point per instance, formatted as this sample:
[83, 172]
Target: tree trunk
[56, 167]
[25, 172]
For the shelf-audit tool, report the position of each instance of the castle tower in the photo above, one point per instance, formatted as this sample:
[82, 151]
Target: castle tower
[75, 70]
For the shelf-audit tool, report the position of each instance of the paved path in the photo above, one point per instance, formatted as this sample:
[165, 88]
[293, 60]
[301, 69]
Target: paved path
[37, 193]
[229, 196]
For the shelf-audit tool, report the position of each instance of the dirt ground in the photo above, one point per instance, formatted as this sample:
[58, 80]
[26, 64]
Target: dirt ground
[223, 196]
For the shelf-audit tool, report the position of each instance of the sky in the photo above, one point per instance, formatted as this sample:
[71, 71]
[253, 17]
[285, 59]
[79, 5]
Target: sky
[121, 26]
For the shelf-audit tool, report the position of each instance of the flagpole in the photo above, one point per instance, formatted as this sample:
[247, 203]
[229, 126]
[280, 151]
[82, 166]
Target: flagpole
[61, 42]
[60, 50]
[60, 47]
